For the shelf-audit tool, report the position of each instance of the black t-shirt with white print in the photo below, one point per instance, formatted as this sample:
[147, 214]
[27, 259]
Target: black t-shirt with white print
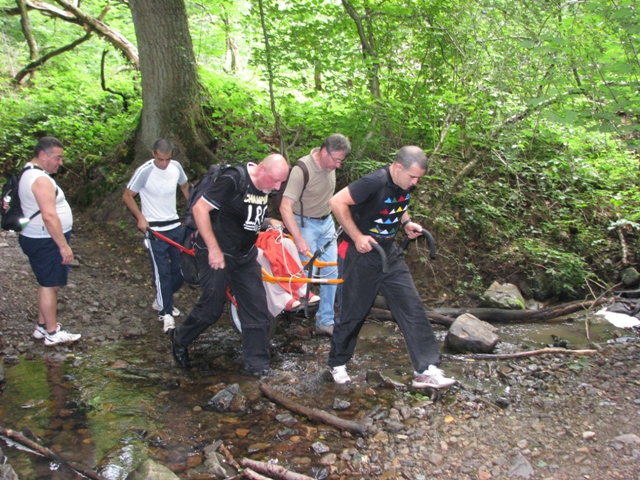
[236, 216]
[379, 206]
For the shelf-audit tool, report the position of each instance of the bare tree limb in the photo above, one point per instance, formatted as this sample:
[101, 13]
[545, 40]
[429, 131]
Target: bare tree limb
[40, 61]
[251, 475]
[274, 111]
[45, 9]
[103, 83]
[313, 413]
[273, 470]
[112, 36]
[26, 29]
[21, 439]
[531, 353]
[227, 454]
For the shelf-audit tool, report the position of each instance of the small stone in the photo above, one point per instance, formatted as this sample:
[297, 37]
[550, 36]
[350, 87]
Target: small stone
[629, 438]
[588, 435]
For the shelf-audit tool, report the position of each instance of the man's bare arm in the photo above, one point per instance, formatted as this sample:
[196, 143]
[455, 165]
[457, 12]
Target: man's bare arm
[128, 197]
[286, 212]
[201, 216]
[340, 204]
[185, 189]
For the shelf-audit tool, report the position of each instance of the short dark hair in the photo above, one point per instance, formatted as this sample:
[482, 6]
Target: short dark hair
[337, 143]
[163, 146]
[47, 143]
[411, 154]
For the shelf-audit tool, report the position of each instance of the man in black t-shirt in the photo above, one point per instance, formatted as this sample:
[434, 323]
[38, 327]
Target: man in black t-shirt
[372, 210]
[228, 220]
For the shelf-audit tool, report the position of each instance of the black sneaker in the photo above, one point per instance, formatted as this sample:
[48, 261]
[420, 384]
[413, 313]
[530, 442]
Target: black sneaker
[180, 354]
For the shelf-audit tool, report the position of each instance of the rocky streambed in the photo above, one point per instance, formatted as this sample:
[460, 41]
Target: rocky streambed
[115, 401]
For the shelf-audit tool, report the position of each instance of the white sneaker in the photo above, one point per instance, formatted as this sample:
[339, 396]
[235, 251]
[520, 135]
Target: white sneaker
[39, 333]
[432, 377]
[340, 374]
[169, 322]
[60, 337]
[175, 312]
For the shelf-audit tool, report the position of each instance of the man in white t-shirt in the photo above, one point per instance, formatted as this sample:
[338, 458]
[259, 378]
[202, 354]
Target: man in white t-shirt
[45, 239]
[155, 181]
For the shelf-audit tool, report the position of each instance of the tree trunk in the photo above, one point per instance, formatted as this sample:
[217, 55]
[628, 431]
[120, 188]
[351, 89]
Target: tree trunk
[170, 89]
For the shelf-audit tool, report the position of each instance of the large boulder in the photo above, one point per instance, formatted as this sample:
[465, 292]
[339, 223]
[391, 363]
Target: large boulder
[630, 277]
[506, 296]
[470, 334]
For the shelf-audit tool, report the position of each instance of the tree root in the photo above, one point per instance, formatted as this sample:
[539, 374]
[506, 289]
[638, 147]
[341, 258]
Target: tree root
[21, 439]
[358, 428]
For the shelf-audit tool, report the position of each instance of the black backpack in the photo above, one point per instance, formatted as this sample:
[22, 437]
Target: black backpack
[199, 188]
[188, 264]
[12, 218]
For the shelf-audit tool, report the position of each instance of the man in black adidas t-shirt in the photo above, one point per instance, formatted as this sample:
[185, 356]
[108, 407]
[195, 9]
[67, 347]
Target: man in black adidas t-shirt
[229, 219]
[373, 209]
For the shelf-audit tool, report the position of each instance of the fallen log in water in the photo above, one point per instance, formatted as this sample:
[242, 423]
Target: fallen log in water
[272, 470]
[45, 452]
[359, 428]
[445, 316]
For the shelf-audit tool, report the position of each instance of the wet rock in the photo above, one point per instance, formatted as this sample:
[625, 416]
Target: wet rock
[11, 360]
[520, 467]
[229, 399]
[340, 404]
[286, 419]
[7, 473]
[378, 380]
[469, 334]
[320, 448]
[630, 277]
[150, 469]
[215, 464]
[257, 447]
[629, 439]
[505, 296]
[329, 459]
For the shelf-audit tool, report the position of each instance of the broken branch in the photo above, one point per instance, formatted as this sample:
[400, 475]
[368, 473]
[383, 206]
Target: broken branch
[273, 470]
[531, 353]
[21, 439]
[313, 413]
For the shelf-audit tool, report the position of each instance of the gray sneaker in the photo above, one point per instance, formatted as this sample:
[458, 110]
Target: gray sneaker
[324, 330]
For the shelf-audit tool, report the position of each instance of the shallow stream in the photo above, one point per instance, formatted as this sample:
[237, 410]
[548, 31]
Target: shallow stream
[108, 407]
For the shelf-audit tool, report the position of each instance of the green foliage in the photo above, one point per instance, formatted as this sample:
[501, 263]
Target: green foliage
[559, 273]
[542, 94]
